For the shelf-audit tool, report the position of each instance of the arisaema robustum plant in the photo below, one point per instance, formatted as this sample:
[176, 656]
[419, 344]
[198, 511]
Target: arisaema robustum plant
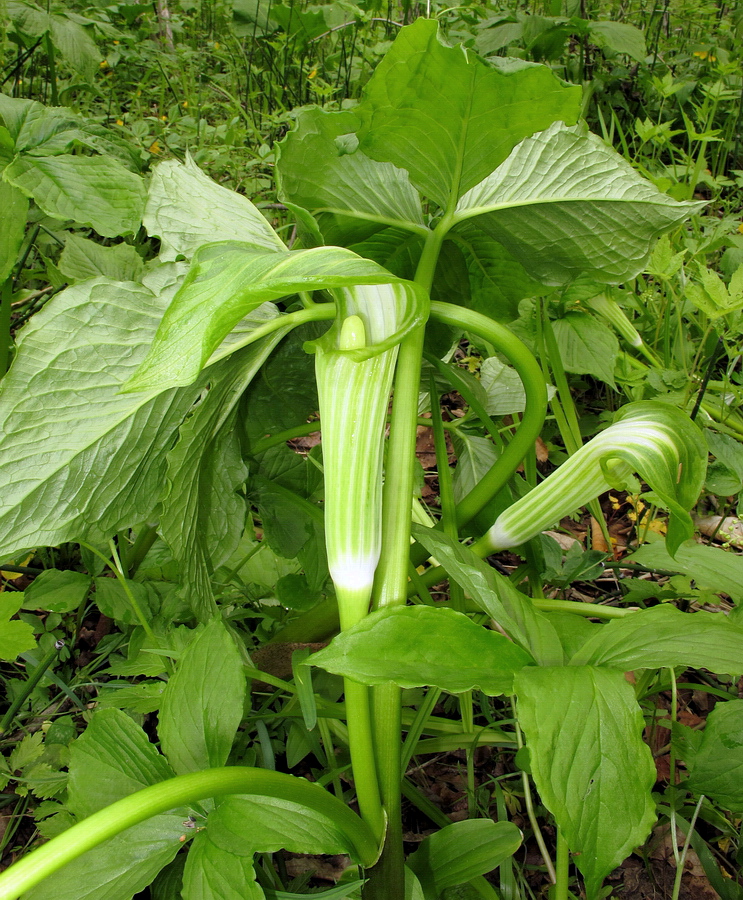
[454, 190]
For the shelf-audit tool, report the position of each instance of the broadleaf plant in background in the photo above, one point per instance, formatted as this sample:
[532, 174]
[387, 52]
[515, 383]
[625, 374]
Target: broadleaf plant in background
[452, 180]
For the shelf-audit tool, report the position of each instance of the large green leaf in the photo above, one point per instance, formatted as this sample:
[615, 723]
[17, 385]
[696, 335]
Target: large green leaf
[228, 280]
[497, 280]
[203, 515]
[711, 567]
[664, 637]
[186, 209]
[90, 190]
[248, 824]
[461, 851]
[593, 772]
[15, 208]
[119, 868]
[716, 768]
[450, 119]
[83, 259]
[38, 129]
[111, 759]
[564, 203]
[203, 702]
[322, 170]
[586, 345]
[77, 458]
[413, 646]
[215, 874]
[494, 594]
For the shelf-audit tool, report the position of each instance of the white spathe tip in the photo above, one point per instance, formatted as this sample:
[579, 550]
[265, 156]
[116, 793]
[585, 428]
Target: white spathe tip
[353, 573]
[501, 538]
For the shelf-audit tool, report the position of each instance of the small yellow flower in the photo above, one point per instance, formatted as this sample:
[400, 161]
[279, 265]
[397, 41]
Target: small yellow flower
[154, 147]
[103, 64]
[216, 45]
[185, 104]
[740, 228]
[704, 54]
[139, 93]
[313, 73]
[119, 122]
[163, 118]
[117, 42]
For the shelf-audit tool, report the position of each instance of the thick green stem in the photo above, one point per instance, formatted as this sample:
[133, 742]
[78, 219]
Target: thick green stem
[170, 794]
[536, 401]
[6, 294]
[562, 868]
[387, 879]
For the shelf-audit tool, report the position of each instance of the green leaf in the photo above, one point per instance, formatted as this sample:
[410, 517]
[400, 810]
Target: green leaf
[496, 596]
[504, 389]
[113, 600]
[462, 851]
[203, 702]
[15, 637]
[558, 196]
[476, 455]
[228, 280]
[119, 868]
[321, 169]
[203, 515]
[414, 646]
[186, 210]
[15, 208]
[83, 259]
[56, 591]
[586, 346]
[248, 824]
[619, 37]
[497, 280]
[35, 127]
[716, 769]
[450, 119]
[76, 46]
[215, 874]
[593, 772]
[111, 759]
[710, 567]
[665, 637]
[90, 190]
[77, 458]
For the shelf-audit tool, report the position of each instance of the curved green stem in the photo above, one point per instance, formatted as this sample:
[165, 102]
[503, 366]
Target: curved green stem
[532, 420]
[175, 792]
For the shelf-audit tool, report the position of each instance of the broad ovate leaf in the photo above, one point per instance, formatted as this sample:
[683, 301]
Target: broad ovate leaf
[664, 637]
[448, 118]
[653, 439]
[414, 646]
[111, 759]
[461, 851]
[226, 282]
[716, 768]
[203, 703]
[592, 770]
[186, 209]
[496, 595]
[90, 190]
[215, 874]
[565, 204]
[15, 208]
[77, 458]
[322, 170]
